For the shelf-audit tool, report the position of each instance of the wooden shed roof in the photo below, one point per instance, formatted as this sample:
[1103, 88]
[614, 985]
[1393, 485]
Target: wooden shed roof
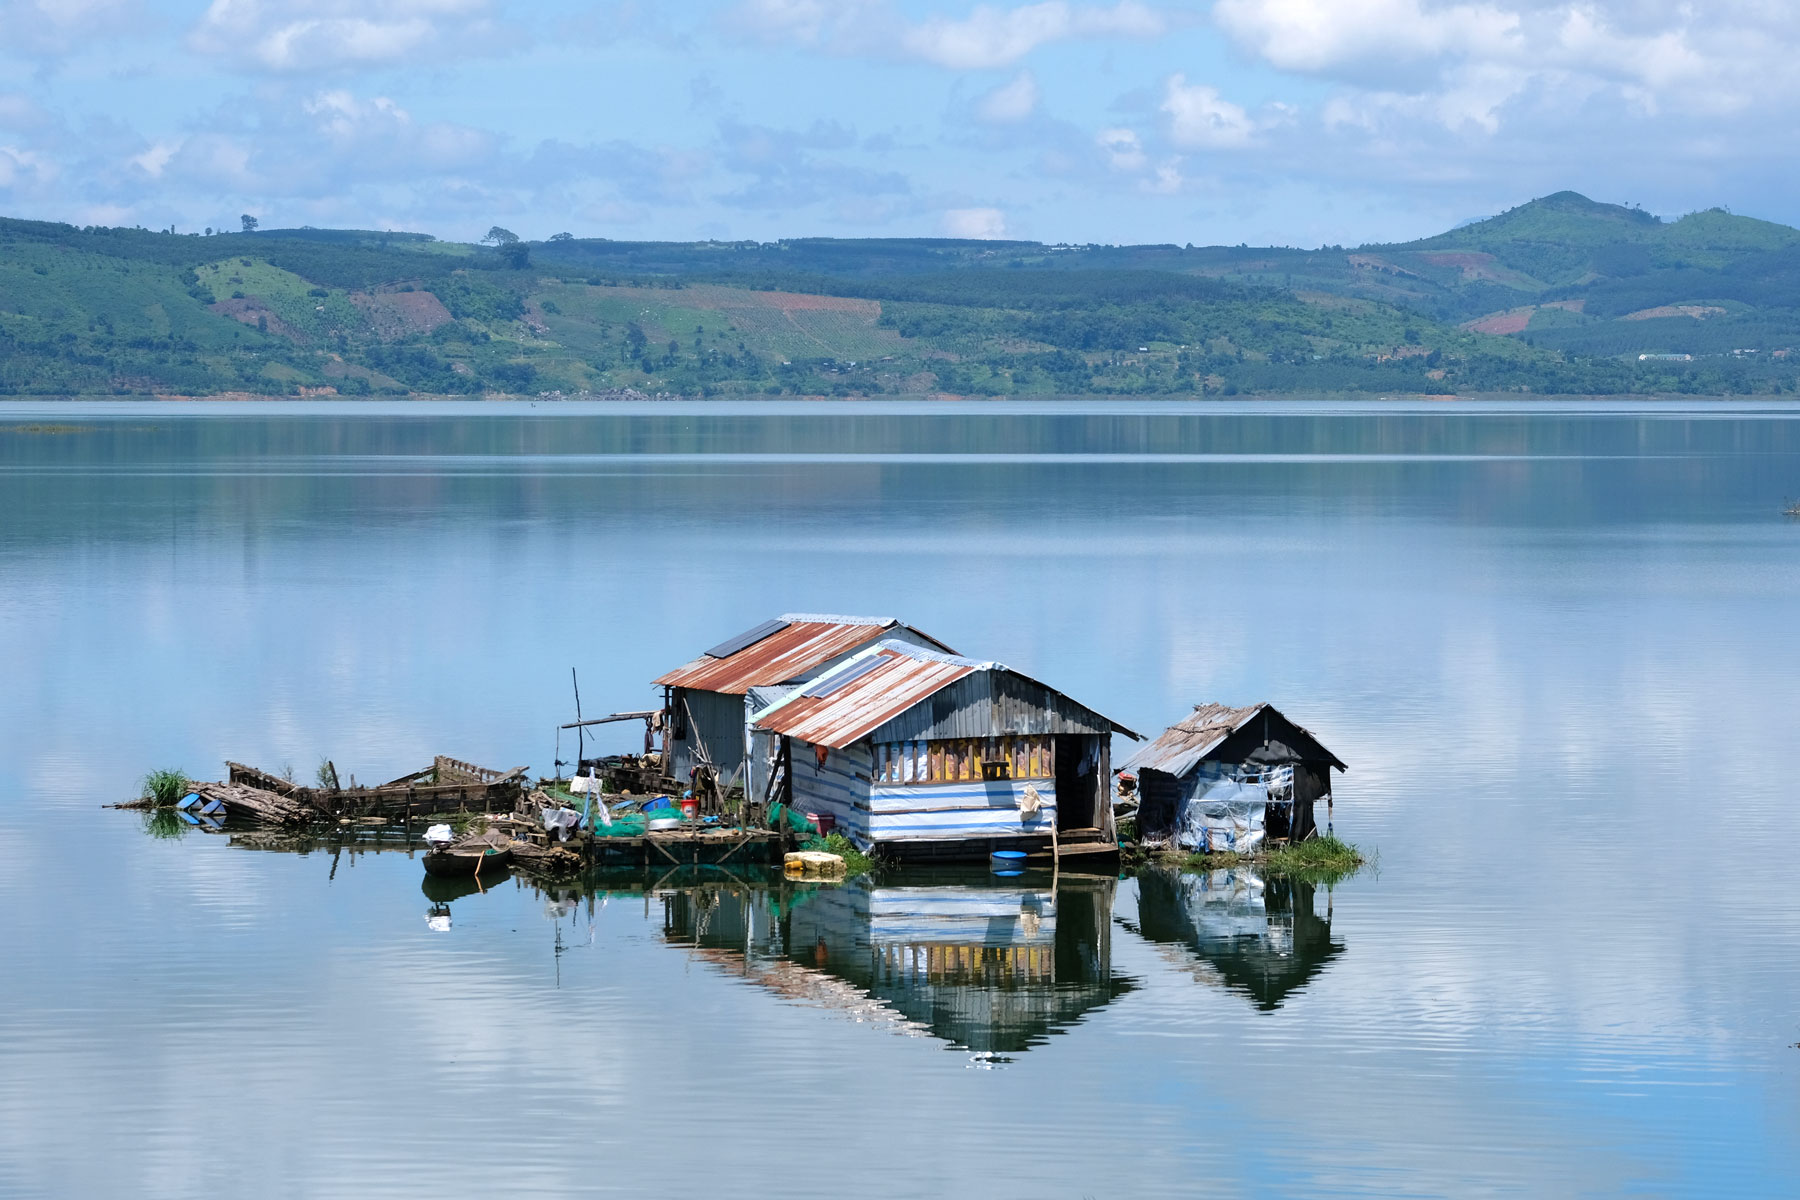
[1187, 743]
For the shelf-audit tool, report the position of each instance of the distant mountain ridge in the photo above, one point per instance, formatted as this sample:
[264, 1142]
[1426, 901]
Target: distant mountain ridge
[1562, 294]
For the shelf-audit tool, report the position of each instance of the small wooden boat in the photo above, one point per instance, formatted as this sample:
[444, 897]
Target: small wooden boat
[473, 859]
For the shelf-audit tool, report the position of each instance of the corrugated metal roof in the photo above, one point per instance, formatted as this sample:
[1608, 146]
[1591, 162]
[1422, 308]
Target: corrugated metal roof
[859, 698]
[789, 653]
[1184, 745]
[865, 701]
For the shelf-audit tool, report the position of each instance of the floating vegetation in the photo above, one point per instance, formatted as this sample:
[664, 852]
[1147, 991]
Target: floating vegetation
[164, 788]
[1316, 860]
[855, 861]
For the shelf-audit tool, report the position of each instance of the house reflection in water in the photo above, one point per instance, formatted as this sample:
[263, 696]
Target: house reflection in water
[1266, 940]
[963, 957]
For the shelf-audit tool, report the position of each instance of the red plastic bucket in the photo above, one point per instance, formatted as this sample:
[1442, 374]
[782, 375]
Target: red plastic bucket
[690, 808]
[825, 821]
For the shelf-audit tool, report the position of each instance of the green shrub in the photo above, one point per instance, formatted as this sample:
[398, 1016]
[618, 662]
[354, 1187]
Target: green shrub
[165, 787]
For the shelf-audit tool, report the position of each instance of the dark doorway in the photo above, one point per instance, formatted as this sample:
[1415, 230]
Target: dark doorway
[1076, 789]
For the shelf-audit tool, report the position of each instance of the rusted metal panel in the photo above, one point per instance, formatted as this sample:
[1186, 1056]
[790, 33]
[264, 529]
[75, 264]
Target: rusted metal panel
[1184, 745]
[796, 651]
[916, 694]
[851, 711]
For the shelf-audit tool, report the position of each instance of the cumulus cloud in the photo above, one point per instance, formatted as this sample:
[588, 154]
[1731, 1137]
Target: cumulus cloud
[1011, 102]
[1199, 117]
[21, 169]
[983, 223]
[1123, 148]
[988, 37]
[1461, 62]
[304, 35]
[1313, 35]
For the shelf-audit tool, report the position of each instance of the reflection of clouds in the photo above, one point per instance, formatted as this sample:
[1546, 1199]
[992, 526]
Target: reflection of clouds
[1566, 736]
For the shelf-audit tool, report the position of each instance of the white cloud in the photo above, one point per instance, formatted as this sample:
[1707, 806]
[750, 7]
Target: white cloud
[996, 37]
[1167, 179]
[1123, 149]
[988, 37]
[1461, 63]
[1011, 102]
[1199, 117]
[975, 223]
[1312, 35]
[809, 22]
[20, 168]
[302, 35]
[153, 160]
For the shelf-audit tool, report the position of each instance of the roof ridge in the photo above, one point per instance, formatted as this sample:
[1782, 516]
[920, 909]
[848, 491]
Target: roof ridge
[925, 654]
[837, 619]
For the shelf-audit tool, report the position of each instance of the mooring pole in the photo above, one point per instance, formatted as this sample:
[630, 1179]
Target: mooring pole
[579, 740]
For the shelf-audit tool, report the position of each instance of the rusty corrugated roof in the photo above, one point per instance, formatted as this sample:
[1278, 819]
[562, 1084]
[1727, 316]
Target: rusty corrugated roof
[858, 696]
[1182, 746]
[868, 698]
[799, 646]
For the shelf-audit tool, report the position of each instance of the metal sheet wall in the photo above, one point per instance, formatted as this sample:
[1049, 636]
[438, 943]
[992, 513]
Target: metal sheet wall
[991, 704]
[839, 786]
[954, 812]
[717, 720]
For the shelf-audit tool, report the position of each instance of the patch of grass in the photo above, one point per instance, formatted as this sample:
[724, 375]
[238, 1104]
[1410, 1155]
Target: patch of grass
[855, 861]
[1328, 856]
[163, 788]
[1316, 860]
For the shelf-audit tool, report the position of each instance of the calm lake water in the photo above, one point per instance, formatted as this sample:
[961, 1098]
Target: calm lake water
[1559, 647]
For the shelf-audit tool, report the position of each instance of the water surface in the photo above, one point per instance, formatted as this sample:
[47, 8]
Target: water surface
[1556, 645]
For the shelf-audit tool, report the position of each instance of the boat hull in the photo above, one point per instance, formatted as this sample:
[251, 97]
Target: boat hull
[452, 863]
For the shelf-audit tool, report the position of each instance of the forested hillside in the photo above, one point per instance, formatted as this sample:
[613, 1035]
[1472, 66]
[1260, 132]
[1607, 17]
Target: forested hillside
[1561, 295]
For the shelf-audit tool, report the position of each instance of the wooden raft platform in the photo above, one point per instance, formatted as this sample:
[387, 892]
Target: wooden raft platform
[448, 785]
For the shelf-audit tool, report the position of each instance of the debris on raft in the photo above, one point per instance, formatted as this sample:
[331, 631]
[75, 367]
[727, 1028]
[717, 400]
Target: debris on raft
[449, 785]
[485, 822]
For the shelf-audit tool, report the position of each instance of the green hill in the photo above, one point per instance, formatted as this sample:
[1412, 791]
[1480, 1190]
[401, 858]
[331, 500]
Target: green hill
[1549, 297]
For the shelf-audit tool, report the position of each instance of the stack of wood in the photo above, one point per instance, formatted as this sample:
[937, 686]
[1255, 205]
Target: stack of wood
[258, 804]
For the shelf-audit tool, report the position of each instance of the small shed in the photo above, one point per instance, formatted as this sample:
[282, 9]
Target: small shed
[928, 754]
[1226, 778]
[710, 701]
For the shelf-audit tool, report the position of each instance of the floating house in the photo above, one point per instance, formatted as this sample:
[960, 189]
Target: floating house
[1227, 778]
[987, 966]
[1230, 928]
[926, 754]
[711, 701]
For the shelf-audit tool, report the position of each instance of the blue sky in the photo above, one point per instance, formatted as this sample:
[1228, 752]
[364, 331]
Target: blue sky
[1296, 122]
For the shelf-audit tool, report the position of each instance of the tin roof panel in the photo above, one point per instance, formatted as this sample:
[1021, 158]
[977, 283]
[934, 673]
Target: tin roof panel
[805, 642]
[1184, 745]
[862, 697]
